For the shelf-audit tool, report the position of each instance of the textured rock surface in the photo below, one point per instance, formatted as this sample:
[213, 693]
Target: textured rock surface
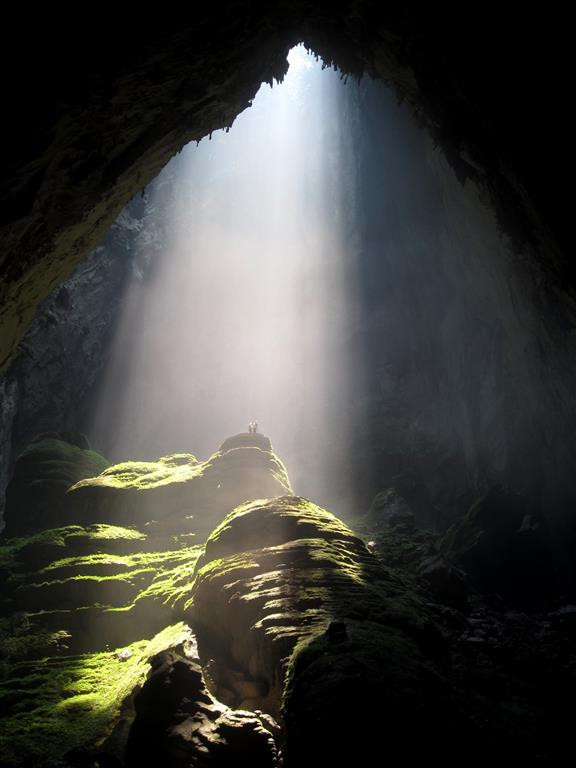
[48, 467]
[504, 549]
[178, 723]
[285, 590]
[76, 709]
[75, 589]
[295, 616]
[180, 491]
[51, 380]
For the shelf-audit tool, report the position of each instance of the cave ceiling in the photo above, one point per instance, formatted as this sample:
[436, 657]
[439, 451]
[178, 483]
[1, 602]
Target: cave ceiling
[95, 106]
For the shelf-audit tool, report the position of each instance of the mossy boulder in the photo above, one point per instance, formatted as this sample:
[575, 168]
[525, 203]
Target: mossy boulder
[289, 596]
[75, 709]
[52, 463]
[180, 493]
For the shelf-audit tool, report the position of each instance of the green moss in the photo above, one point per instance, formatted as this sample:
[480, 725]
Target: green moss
[18, 641]
[173, 583]
[58, 705]
[276, 573]
[42, 474]
[143, 475]
[280, 520]
[108, 564]
[184, 493]
[46, 546]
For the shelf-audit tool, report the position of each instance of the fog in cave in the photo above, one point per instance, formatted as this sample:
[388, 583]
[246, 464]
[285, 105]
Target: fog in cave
[323, 268]
[250, 310]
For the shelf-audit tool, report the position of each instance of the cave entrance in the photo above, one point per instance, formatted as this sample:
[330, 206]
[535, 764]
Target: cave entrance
[318, 269]
[244, 296]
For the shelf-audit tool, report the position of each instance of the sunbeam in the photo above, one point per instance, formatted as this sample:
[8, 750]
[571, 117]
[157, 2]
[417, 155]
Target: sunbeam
[247, 314]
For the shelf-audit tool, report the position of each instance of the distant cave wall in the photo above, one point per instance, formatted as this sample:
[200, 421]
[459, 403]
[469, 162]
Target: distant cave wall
[54, 379]
[49, 384]
[468, 342]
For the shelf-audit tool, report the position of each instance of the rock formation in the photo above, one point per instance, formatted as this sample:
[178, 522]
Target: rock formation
[44, 472]
[283, 639]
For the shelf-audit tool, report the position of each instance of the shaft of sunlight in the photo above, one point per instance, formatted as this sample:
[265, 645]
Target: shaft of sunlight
[247, 310]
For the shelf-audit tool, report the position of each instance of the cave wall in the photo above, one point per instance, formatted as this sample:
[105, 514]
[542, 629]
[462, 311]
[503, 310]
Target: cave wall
[49, 384]
[96, 111]
[468, 346]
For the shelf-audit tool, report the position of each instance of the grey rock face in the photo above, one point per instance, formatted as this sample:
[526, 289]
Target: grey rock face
[49, 386]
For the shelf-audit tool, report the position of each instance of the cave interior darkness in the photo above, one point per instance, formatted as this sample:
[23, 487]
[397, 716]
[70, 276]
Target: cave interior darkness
[367, 252]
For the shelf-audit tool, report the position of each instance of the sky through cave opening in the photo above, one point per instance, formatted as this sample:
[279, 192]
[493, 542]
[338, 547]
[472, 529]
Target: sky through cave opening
[245, 300]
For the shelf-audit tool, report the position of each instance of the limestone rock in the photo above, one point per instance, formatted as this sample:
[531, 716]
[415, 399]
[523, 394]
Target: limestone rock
[503, 549]
[247, 439]
[80, 589]
[390, 508]
[35, 497]
[288, 595]
[180, 492]
[75, 710]
[178, 723]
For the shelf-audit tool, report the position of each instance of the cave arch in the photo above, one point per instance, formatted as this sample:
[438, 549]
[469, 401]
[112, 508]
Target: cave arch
[97, 110]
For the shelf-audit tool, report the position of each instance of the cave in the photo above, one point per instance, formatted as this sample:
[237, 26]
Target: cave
[350, 225]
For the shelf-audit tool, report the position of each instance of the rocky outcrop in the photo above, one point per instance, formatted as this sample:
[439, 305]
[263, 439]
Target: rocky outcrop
[179, 723]
[48, 467]
[71, 594]
[297, 619]
[287, 595]
[504, 549]
[76, 710]
[180, 493]
[75, 589]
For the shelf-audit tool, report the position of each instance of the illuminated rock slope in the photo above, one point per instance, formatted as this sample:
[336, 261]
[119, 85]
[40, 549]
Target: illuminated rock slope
[286, 593]
[74, 593]
[281, 639]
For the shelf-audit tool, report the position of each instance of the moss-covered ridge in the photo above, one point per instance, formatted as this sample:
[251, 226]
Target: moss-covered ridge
[69, 596]
[42, 474]
[278, 574]
[77, 589]
[181, 491]
[56, 706]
